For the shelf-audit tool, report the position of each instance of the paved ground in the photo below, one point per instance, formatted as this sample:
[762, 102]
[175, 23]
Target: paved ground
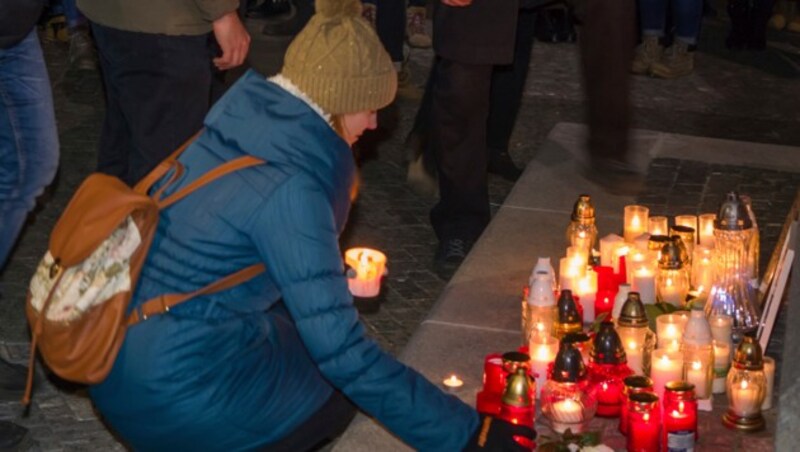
[742, 96]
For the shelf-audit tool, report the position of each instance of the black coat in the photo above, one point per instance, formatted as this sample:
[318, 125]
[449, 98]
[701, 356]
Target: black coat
[481, 33]
[17, 17]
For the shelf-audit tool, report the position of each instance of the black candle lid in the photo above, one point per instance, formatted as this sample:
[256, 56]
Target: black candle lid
[568, 366]
[567, 310]
[608, 347]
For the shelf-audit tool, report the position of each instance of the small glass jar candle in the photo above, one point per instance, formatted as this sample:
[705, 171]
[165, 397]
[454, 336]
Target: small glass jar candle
[543, 350]
[722, 364]
[569, 401]
[705, 229]
[698, 353]
[680, 417]
[690, 221]
[702, 270]
[607, 368]
[635, 334]
[686, 236]
[672, 279]
[494, 383]
[746, 388]
[644, 423]
[669, 329]
[665, 366]
[635, 222]
[539, 308]
[633, 384]
[657, 225]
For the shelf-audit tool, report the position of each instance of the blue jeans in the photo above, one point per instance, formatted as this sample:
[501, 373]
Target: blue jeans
[28, 137]
[686, 15]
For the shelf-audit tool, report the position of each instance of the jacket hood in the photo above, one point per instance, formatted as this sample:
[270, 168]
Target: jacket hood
[260, 118]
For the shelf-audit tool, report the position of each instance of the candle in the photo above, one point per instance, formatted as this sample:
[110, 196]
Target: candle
[642, 242]
[696, 374]
[543, 352]
[702, 269]
[635, 384]
[665, 366]
[690, 221]
[453, 383]
[587, 292]
[670, 328]
[644, 282]
[617, 254]
[367, 267]
[644, 423]
[566, 414]
[706, 229]
[604, 303]
[672, 286]
[635, 353]
[745, 398]
[680, 417]
[636, 259]
[722, 363]
[619, 300]
[635, 222]
[721, 327]
[769, 373]
[657, 225]
[570, 272]
[607, 246]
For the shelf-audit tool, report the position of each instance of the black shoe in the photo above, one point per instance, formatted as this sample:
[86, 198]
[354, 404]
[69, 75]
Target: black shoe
[270, 9]
[294, 21]
[449, 256]
[500, 163]
[12, 380]
[615, 177]
[11, 435]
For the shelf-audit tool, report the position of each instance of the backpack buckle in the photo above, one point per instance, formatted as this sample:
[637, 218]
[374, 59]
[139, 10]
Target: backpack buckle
[56, 269]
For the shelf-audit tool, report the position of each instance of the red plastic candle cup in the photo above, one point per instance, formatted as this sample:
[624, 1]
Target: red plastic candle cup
[680, 417]
[605, 278]
[644, 423]
[634, 384]
[608, 379]
[494, 375]
[489, 402]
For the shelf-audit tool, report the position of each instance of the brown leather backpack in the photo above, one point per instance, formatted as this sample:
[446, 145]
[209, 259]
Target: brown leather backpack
[78, 298]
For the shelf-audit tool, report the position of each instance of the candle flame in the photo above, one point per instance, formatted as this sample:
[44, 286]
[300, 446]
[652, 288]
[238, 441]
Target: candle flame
[636, 222]
[605, 386]
[646, 417]
[696, 365]
[453, 381]
[664, 359]
[680, 406]
[605, 300]
[539, 326]
[744, 384]
[675, 413]
[671, 331]
[632, 345]
[669, 282]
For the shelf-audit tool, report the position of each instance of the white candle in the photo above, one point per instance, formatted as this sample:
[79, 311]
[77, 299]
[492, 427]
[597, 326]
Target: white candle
[620, 299]
[453, 383]
[722, 363]
[744, 399]
[690, 221]
[696, 374]
[769, 372]
[657, 225]
[635, 354]
[702, 269]
[671, 293]
[706, 229]
[543, 351]
[587, 291]
[607, 246]
[721, 327]
[635, 222]
[642, 243]
[665, 366]
[566, 413]
[644, 282]
[669, 328]
[367, 267]
[636, 259]
[569, 273]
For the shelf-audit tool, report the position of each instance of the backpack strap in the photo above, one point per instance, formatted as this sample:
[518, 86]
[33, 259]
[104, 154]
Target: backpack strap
[216, 173]
[163, 303]
[162, 168]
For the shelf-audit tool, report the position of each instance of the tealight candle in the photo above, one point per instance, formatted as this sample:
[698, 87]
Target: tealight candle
[706, 229]
[566, 413]
[657, 225]
[769, 373]
[367, 267]
[635, 222]
[665, 366]
[453, 383]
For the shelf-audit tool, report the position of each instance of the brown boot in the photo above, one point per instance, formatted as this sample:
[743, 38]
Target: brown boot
[416, 33]
[648, 52]
[678, 61]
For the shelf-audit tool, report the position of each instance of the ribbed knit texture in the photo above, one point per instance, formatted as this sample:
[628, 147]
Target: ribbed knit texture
[339, 62]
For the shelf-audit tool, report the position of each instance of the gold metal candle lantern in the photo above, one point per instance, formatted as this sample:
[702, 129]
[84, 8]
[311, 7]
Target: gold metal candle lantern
[635, 334]
[686, 235]
[672, 280]
[746, 388]
[582, 231]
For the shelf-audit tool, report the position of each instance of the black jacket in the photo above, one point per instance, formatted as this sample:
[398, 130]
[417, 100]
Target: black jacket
[481, 33]
[17, 17]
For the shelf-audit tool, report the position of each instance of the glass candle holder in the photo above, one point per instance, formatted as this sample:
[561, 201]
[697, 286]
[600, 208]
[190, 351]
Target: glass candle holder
[569, 401]
[665, 366]
[517, 406]
[722, 364]
[672, 286]
[686, 235]
[582, 231]
[670, 328]
[746, 388]
[680, 417]
[539, 309]
[657, 225]
[644, 423]
[607, 368]
[635, 222]
[634, 384]
[702, 269]
[494, 383]
[690, 221]
[698, 353]
[569, 319]
[635, 334]
[644, 282]
[542, 350]
[367, 269]
[705, 231]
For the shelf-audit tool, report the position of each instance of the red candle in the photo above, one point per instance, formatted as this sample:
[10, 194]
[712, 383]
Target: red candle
[680, 417]
[643, 423]
[607, 378]
[604, 302]
[494, 383]
[605, 278]
[634, 384]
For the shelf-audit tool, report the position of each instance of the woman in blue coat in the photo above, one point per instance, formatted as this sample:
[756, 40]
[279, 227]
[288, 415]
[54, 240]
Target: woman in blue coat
[274, 362]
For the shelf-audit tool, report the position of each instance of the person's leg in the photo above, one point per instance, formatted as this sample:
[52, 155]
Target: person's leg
[416, 31]
[28, 136]
[687, 15]
[652, 17]
[421, 175]
[508, 84]
[81, 48]
[390, 24]
[325, 425]
[678, 59]
[459, 110]
[158, 92]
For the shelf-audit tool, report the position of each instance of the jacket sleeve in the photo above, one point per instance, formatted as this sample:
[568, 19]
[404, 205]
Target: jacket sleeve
[296, 235]
[212, 10]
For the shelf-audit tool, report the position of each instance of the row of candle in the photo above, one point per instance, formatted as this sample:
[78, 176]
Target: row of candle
[637, 222]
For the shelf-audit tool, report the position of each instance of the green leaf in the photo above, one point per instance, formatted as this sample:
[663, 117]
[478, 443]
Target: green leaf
[657, 309]
[595, 326]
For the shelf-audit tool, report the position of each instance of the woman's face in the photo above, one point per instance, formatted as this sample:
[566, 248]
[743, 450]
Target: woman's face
[354, 124]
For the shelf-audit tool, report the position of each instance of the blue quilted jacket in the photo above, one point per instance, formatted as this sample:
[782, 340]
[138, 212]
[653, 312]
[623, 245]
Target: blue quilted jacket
[241, 369]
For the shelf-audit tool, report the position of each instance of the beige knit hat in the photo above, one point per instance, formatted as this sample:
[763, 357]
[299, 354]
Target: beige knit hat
[338, 61]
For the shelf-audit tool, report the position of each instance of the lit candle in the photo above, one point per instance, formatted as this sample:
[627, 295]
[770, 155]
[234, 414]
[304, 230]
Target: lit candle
[453, 383]
[671, 291]
[696, 374]
[607, 246]
[670, 328]
[721, 327]
[642, 243]
[690, 221]
[636, 259]
[644, 423]
[367, 267]
[570, 272]
[722, 362]
[702, 269]
[657, 225]
[566, 414]
[680, 417]
[587, 292]
[769, 373]
[543, 352]
[706, 229]
[617, 253]
[635, 353]
[604, 303]
[665, 366]
[635, 222]
[644, 282]
[745, 398]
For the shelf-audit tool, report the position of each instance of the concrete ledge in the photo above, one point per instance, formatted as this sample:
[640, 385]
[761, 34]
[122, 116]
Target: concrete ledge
[479, 311]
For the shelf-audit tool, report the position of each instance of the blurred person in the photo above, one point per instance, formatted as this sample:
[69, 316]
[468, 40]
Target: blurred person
[749, 20]
[678, 60]
[160, 63]
[82, 55]
[416, 31]
[279, 361]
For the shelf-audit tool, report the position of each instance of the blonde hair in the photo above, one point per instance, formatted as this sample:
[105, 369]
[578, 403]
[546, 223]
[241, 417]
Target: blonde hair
[337, 122]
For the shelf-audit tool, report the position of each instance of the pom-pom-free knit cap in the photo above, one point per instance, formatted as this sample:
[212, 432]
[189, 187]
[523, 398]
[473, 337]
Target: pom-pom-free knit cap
[338, 61]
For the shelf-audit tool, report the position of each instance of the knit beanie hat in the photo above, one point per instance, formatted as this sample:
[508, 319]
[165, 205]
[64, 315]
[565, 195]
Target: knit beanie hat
[338, 61]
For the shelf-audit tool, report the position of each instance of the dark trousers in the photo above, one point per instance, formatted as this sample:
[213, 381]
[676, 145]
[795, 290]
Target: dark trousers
[390, 25]
[158, 90]
[326, 424]
[459, 109]
[607, 42]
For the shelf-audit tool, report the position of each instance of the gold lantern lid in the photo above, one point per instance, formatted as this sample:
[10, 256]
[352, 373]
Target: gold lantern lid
[732, 214]
[643, 400]
[683, 252]
[518, 389]
[583, 211]
[671, 258]
[748, 355]
[679, 386]
[514, 360]
[633, 313]
[638, 382]
[568, 366]
[656, 242]
[607, 347]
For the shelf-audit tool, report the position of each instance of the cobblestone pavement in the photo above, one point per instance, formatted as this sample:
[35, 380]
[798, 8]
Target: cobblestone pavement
[742, 96]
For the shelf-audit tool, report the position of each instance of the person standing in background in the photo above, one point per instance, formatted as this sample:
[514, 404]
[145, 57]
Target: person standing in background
[160, 63]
